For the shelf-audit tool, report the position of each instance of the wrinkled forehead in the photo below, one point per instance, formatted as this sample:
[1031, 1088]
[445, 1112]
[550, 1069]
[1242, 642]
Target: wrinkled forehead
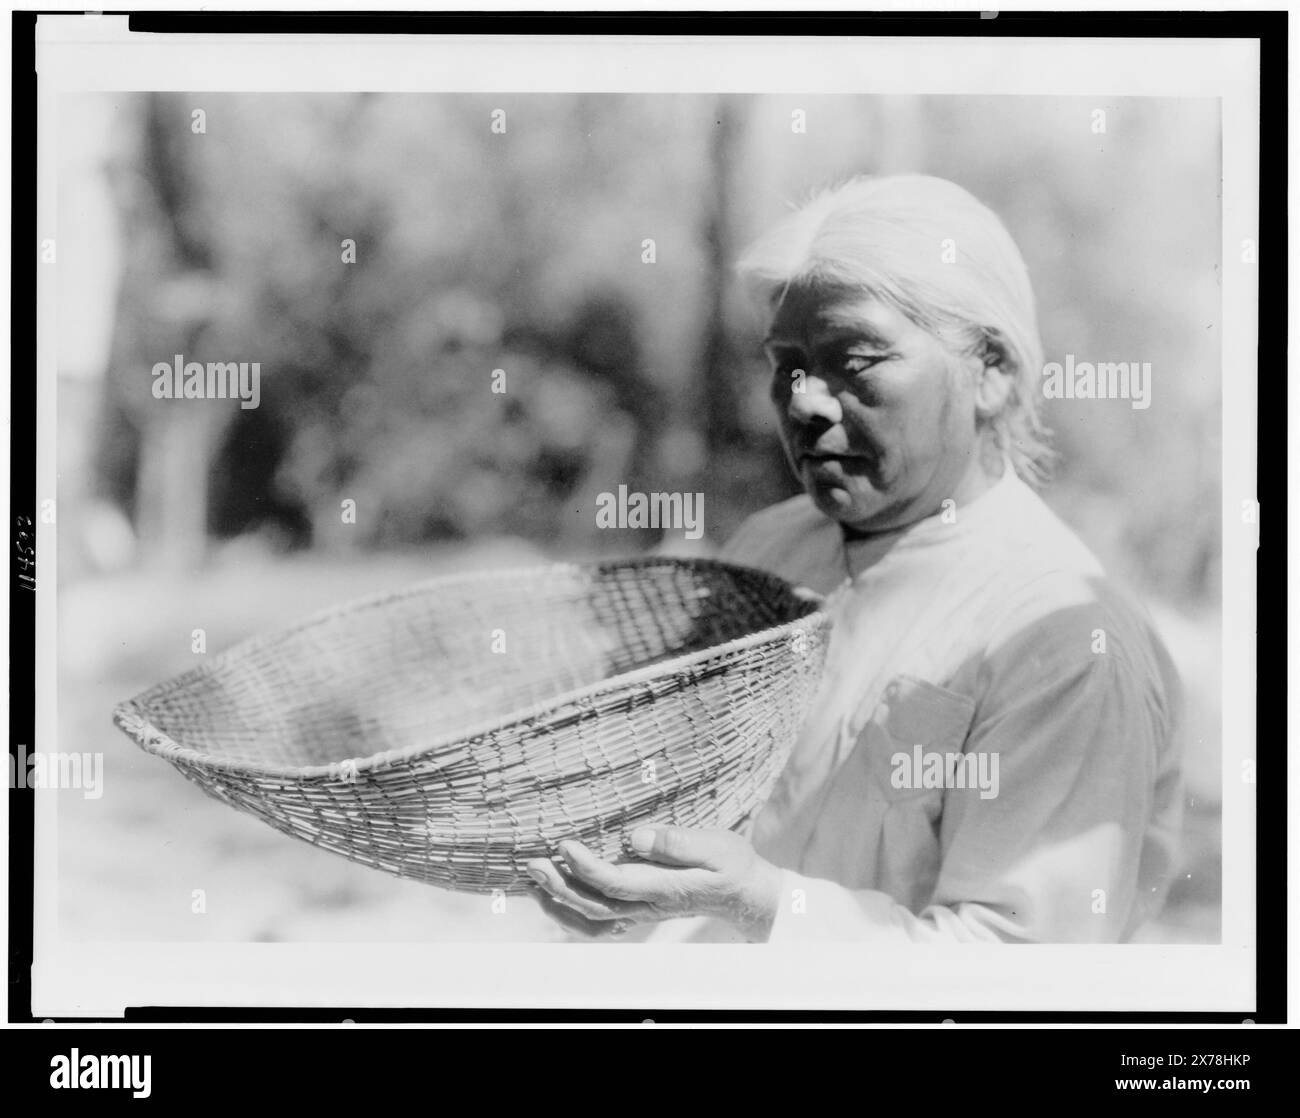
[801, 313]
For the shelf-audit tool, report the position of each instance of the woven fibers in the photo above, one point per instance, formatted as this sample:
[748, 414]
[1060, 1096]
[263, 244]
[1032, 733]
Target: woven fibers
[454, 730]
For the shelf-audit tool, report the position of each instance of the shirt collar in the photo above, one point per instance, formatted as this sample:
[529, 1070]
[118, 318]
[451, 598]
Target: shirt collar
[950, 523]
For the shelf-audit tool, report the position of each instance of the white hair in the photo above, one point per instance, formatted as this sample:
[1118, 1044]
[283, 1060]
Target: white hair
[927, 247]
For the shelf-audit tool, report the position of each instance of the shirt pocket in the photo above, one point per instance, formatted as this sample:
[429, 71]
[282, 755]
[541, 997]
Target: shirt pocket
[914, 719]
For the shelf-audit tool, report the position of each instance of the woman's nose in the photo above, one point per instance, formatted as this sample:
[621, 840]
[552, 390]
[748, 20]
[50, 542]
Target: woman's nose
[811, 401]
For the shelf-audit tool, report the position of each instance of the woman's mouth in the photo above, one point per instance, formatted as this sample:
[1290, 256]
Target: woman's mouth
[843, 472]
[830, 469]
[817, 461]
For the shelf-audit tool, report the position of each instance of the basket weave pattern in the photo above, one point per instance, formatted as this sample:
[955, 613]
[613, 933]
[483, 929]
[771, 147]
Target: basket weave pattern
[454, 730]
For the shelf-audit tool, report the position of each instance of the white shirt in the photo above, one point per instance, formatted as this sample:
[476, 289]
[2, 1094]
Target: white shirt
[988, 636]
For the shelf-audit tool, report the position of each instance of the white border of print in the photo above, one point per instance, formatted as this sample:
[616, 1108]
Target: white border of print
[99, 979]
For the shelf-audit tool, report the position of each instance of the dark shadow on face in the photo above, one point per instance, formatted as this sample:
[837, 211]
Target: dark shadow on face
[877, 421]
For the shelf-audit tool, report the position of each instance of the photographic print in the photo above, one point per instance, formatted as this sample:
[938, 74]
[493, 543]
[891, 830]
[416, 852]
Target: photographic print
[527, 512]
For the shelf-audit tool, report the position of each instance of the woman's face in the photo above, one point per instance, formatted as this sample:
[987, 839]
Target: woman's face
[877, 415]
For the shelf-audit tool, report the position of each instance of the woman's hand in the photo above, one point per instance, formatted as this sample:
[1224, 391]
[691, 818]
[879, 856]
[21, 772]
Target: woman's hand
[685, 872]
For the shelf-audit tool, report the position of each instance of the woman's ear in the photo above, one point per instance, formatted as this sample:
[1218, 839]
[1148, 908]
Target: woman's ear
[994, 381]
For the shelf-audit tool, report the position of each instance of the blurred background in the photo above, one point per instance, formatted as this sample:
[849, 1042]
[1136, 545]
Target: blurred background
[523, 251]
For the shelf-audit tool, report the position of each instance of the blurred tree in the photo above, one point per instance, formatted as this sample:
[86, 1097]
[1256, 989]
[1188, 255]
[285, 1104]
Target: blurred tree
[478, 250]
[720, 411]
[176, 438]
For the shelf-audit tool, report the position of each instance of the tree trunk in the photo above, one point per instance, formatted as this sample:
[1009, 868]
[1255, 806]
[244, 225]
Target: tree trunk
[719, 398]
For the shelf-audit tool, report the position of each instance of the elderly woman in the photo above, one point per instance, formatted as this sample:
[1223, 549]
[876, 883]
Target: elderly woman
[992, 756]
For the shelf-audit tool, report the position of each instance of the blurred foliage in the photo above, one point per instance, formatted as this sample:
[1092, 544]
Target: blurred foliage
[478, 251]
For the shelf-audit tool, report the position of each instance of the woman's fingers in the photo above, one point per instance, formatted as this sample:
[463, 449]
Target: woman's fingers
[618, 882]
[681, 871]
[571, 921]
[583, 899]
[667, 890]
[682, 846]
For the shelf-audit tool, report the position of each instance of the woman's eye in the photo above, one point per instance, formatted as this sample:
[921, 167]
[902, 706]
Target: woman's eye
[861, 362]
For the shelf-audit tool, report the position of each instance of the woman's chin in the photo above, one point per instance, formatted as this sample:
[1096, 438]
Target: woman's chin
[842, 504]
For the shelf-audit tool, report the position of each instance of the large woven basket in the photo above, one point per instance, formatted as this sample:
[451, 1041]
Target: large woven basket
[457, 729]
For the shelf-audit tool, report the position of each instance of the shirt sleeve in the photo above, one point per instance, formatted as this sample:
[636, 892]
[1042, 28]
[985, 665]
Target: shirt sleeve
[1066, 850]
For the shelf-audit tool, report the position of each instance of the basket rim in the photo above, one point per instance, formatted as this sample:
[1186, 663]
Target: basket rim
[128, 716]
